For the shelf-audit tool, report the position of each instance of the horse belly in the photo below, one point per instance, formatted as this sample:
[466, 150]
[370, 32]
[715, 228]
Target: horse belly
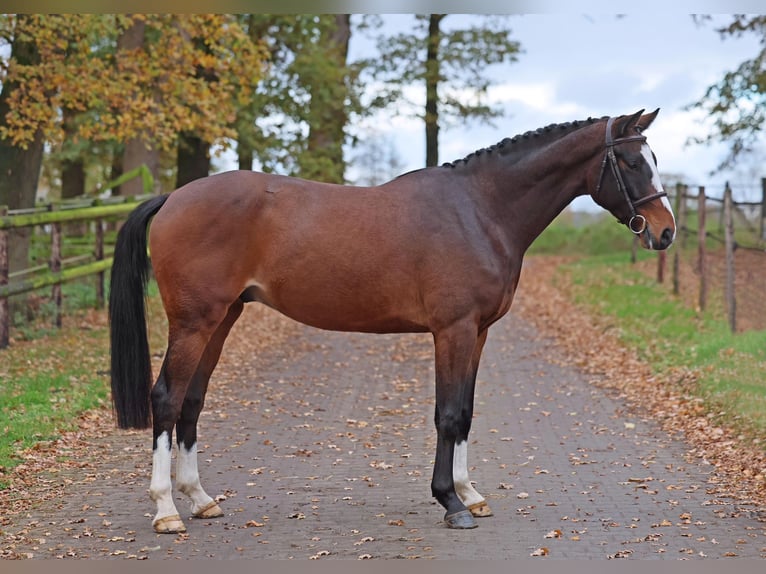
[340, 303]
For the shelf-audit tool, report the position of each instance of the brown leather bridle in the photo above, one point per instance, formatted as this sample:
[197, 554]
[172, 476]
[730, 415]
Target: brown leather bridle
[637, 222]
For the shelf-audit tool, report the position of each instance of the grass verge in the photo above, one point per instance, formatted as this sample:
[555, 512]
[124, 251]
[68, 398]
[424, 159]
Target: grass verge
[48, 382]
[729, 366]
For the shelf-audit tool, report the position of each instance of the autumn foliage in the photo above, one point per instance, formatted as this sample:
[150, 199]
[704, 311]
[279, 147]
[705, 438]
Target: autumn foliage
[190, 73]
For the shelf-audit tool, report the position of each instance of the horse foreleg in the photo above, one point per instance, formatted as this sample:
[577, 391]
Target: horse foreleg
[474, 501]
[187, 472]
[455, 347]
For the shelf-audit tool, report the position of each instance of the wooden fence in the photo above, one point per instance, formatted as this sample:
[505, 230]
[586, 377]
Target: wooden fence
[59, 270]
[719, 257]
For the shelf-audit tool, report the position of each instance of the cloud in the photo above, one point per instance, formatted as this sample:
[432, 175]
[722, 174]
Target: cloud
[537, 96]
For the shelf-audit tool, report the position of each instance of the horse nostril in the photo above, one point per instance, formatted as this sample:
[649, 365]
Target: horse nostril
[667, 238]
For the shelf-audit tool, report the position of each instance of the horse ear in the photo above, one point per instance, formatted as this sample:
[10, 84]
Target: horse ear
[647, 120]
[628, 124]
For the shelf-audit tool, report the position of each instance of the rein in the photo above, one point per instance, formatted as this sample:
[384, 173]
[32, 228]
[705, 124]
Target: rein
[637, 222]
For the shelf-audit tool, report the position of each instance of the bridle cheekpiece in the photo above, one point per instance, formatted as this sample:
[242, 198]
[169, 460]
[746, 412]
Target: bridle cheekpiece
[637, 222]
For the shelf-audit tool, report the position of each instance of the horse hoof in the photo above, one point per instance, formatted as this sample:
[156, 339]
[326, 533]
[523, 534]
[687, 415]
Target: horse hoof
[169, 525]
[461, 520]
[210, 510]
[480, 509]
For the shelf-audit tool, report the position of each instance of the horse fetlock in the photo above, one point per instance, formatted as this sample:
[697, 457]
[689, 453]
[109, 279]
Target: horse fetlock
[160, 495]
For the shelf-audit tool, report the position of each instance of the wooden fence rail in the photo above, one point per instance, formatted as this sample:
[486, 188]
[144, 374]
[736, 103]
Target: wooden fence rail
[60, 270]
[735, 232]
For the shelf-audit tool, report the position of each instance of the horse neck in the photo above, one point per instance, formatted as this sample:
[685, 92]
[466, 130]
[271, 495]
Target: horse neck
[532, 185]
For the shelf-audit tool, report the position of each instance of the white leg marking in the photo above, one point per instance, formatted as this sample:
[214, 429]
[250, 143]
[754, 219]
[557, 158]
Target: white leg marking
[187, 477]
[161, 489]
[465, 491]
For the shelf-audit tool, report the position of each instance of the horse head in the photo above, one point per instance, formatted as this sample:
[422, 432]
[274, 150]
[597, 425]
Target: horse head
[628, 183]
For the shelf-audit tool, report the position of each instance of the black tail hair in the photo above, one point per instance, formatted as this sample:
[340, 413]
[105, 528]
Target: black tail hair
[131, 371]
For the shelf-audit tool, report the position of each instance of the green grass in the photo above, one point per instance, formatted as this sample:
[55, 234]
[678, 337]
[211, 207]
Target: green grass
[38, 407]
[657, 325]
[594, 235]
[45, 385]
[47, 382]
[667, 334]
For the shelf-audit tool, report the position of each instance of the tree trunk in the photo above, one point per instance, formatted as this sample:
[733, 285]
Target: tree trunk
[433, 73]
[324, 155]
[72, 168]
[19, 167]
[138, 151]
[116, 168]
[193, 159]
[72, 178]
[257, 29]
[244, 154]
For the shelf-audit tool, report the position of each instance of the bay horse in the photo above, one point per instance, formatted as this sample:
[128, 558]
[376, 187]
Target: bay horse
[435, 250]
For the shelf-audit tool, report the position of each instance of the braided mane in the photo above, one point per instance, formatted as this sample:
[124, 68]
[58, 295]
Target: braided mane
[517, 142]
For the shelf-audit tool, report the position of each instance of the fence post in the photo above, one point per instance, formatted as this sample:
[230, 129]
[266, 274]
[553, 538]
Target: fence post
[5, 319]
[680, 233]
[99, 253]
[731, 300]
[763, 208]
[701, 247]
[55, 266]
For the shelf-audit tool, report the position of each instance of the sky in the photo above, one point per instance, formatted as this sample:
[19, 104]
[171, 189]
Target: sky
[585, 62]
[574, 66]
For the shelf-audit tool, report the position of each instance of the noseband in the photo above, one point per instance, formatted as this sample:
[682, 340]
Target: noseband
[637, 222]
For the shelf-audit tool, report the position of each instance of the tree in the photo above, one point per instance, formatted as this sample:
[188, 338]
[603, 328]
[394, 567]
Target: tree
[150, 93]
[19, 163]
[135, 151]
[450, 64]
[737, 103]
[327, 82]
[297, 120]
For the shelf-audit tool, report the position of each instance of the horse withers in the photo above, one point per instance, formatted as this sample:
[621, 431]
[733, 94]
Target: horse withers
[435, 250]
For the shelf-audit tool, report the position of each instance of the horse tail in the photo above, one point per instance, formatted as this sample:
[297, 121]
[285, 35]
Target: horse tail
[131, 369]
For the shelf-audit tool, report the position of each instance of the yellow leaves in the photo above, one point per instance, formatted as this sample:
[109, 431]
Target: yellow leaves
[191, 73]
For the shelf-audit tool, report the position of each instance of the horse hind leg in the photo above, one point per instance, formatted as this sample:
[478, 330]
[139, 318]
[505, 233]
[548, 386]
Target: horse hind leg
[186, 347]
[187, 472]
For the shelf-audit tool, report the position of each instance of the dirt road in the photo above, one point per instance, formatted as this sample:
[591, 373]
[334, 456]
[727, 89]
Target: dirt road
[322, 448]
